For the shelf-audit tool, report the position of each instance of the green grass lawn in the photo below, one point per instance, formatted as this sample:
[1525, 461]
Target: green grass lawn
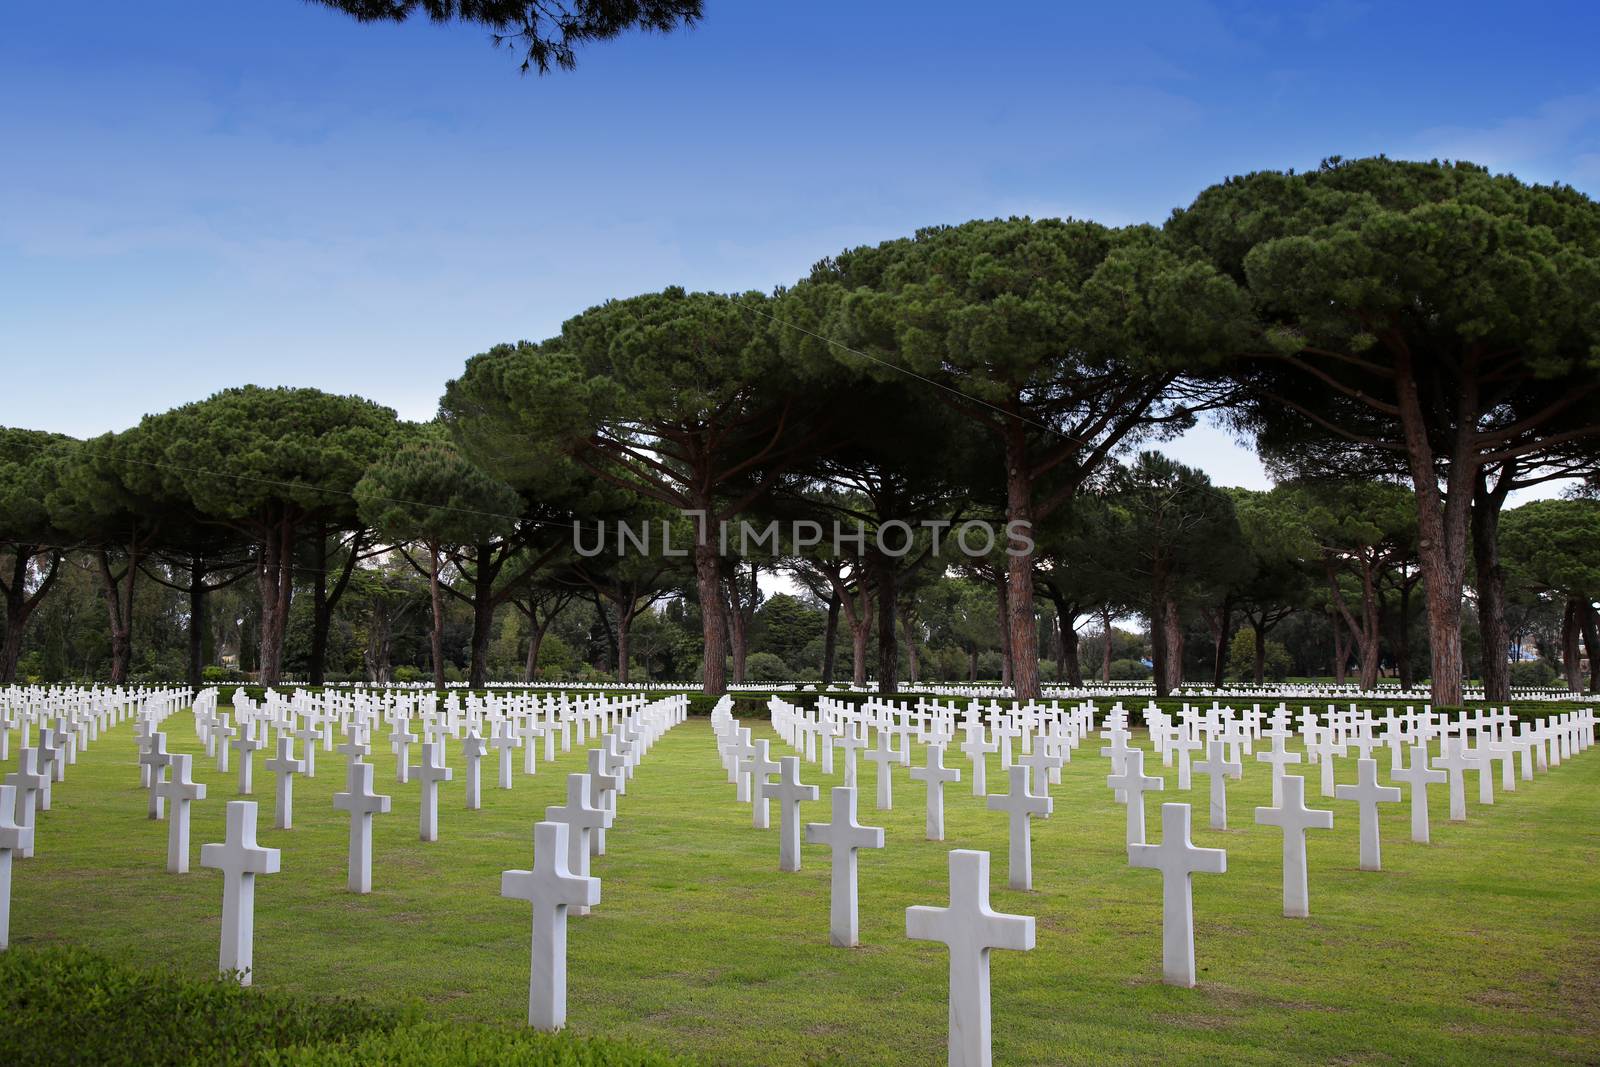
[1483, 947]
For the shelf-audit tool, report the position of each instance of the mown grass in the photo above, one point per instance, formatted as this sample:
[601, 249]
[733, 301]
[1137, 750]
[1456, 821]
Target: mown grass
[1482, 947]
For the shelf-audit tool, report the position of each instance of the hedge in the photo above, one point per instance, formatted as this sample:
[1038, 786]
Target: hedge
[70, 1006]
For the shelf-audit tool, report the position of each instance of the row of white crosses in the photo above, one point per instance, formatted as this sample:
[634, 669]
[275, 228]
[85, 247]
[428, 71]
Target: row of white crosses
[590, 808]
[979, 929]
[68, 722]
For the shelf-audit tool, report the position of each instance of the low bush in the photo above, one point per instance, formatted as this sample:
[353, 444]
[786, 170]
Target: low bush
[69, 1006]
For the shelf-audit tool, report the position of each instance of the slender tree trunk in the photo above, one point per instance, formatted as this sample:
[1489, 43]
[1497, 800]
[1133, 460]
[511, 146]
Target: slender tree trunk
[830, 640]
[708, 583]
[1571, 628]
[1442, 520]
[1403, 644]
[1105, 653]
[1341, 649]
[321, 610]
[1158, 643]
[1022, 648]
[275, 581]
[972, 664]
[1486, 506]
[908, 623]
[485, 572]
[858, 652]
[1005, 618]
[530, 672]
[1174, 642]
[119, 609]
[624, 629]
[888, 642]
[1069, 647]
[1591, 642]
[1261, 650]
[1219, 642]
[436, 594]
[199, 621]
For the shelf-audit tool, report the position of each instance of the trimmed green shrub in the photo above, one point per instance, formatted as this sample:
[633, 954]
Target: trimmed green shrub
[69, 1006]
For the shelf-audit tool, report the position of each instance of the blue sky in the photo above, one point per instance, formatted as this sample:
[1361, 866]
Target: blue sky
[200, 194]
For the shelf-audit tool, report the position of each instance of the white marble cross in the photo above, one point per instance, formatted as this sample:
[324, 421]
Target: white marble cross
[789, 792]
[285, 766]
[1117, 751]
[13, 839]
[759, 767]
[400, 742]
[504, 742]
[976, 749]
[1419, 776]
[1456, 764]
[581, 818]
[936, 774]
[1278, 756]
[472, 749]
[844, 835]
[885, 757]
[551, 888]
[1218, 768]
[153, 761]
[971, 929]
[1368, 794]
[246, 745]
[1133, 783]
[602, 794]
[179, 791]
[1177, 859]
[1294, 818]
[28, 782]
[362, 803]
[430, 774]
[1019, 805]
[239, 859]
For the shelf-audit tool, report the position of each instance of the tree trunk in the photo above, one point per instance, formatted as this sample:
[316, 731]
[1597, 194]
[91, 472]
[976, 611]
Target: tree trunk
[1219, 641]
[1402, 636]
[1341, 649]
[1261, 650]
[972, 664]
[1005, 618]
[483, 605]
[858, 649]
[199, 622]
[1022, 650]
[708, 583]
[321, 610]
[1442, 519]
[1174, 642]
[1486, 505]
[1158, 643]
[1105, 653]
[119, 610]
[1069, 651]
[1591, 642]
[1571, 627]
[436, 593]
[888, 641]
[830, 640]
[908, 623]
[624, 628]
[530, 672]
[275, 583]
